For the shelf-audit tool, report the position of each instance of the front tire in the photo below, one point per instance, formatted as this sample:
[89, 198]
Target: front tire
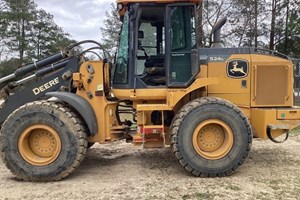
[43, 141]
[211, 137]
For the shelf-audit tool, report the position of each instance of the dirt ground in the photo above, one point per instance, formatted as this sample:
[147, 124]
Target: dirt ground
[121, 171]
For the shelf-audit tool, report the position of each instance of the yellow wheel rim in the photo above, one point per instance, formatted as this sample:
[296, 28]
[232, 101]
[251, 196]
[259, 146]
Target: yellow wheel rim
[39, 145]
[213, 139]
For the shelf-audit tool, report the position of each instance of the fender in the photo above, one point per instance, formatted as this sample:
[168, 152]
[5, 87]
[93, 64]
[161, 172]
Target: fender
[175, 95]
[82, 106]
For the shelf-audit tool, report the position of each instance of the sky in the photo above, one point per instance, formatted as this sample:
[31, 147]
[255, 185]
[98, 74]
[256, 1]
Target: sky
[81, 19]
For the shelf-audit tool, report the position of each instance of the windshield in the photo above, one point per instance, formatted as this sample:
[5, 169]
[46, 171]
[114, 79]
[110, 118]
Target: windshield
[121, 72]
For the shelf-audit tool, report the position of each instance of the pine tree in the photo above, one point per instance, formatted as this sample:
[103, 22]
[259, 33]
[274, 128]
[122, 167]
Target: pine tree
[110, 32]
[3, 27]
[47, 37]
[27, 34]
[289, 40]
[20, 16]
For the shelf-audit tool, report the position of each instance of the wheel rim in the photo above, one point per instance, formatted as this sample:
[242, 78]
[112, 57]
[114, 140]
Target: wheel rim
[213, 139]
[39, 145]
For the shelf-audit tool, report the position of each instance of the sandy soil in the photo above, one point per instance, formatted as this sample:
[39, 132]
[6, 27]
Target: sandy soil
[121, 171]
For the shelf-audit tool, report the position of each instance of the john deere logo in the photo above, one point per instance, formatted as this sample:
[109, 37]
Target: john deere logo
[237, 68]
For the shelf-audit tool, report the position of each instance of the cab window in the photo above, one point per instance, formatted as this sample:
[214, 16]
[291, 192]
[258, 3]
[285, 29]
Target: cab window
[121, 72]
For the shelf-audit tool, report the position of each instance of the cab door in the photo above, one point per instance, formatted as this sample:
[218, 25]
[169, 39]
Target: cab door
[181, 43]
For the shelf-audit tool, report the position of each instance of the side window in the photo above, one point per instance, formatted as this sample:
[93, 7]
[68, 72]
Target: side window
[178, 29]
[146, 45]
[151, 43]
[182, 40]
[148, 42]
[121, 71]
[193, 31]
[150, 67]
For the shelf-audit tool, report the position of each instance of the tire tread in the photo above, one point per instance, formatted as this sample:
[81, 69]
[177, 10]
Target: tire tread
[80, 134]
[180, 117]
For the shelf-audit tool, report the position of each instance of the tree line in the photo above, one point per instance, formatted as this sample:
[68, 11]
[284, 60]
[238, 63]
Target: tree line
[269, 24]
[27, 33]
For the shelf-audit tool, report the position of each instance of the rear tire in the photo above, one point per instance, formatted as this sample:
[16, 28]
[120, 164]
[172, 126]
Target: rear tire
[43, 141]
[210, 137]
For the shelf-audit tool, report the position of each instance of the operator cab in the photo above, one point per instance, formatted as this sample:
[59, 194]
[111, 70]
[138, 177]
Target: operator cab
[158, 46]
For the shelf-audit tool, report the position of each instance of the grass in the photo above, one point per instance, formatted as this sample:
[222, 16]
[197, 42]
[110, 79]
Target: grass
[199, 196]
[233, 187]
[262, 196]
[206, 195]
[275, 184]
[295, 132]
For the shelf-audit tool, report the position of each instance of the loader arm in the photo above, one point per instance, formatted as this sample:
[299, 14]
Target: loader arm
[32, 82]
[59, 80]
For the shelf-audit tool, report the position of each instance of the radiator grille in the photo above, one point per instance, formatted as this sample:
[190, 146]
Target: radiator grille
[271, 85]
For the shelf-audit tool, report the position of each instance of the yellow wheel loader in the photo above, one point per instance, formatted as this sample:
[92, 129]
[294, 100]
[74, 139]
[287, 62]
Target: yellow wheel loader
[206, 104]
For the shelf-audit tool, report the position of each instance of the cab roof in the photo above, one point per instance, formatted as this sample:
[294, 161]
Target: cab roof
[157, 1]
[122, 3]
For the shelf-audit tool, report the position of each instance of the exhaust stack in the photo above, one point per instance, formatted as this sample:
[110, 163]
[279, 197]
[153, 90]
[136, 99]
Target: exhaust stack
[217, 33]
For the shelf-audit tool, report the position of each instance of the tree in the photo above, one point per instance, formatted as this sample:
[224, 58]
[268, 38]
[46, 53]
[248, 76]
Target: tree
[212, 12]
[273, 24]
[20, 15]
[277, 30]
[249, 25]
[8, 66]
[28, 33]
[289, 42]
[3, 27]
[42, 31]
[241, 29]
[47, 37]
[110, 32]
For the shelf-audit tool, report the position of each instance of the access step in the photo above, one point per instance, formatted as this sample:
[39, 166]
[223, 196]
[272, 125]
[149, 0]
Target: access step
[150, 107]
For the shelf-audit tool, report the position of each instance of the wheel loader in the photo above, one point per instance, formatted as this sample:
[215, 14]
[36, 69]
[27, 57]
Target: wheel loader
[205, 104]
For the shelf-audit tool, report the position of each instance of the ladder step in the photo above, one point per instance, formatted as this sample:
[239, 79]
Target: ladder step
[155, 129]
[140, 140]
[117, 132]
[119, 127]
[149, 107]
[154, 144]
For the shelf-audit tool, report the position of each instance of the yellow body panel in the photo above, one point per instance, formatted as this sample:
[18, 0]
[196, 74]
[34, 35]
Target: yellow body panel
[272, 82]
[169, 97]
[292, 114]
[262, 118]
[236, 91]
[269, 83]
[141, 94]
[266, 88]
[93, 92]
[212, 80]
[258, 85]
[241, 100]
